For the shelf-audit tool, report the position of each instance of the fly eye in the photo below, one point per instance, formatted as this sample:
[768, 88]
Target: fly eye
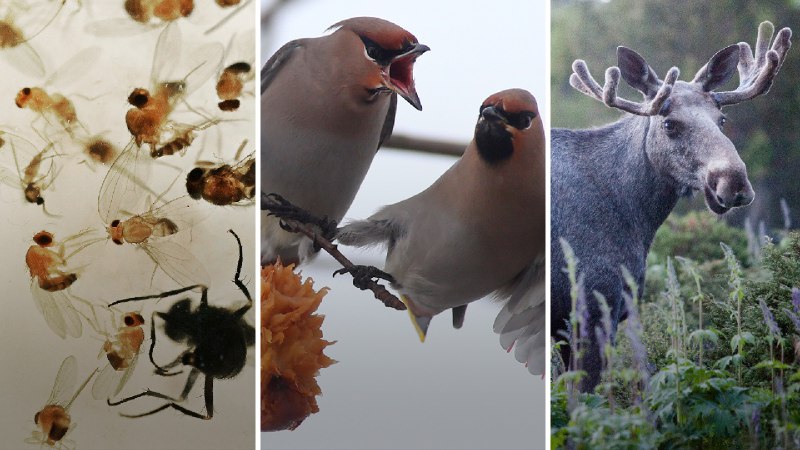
[195, 174]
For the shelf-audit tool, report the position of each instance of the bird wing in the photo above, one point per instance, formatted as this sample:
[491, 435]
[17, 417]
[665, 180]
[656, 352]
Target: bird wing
[521, 322]
[276, 61]
[388, 124]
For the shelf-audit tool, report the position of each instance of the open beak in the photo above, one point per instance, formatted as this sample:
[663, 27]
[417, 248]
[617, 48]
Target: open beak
[399, 74]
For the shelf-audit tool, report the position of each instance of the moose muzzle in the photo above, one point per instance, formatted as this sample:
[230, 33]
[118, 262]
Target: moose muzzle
[728, 187]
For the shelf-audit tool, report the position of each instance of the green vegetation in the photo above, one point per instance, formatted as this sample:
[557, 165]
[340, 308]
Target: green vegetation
[722, 362]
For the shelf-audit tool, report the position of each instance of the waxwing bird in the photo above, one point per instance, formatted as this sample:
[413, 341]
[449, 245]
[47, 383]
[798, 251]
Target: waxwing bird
[478, 230]
[327, 105]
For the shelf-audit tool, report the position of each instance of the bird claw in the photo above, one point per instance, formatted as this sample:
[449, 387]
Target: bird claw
[283, 209]
[363, 275]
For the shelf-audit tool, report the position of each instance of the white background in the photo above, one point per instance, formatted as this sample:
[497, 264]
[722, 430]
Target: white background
[30, 352]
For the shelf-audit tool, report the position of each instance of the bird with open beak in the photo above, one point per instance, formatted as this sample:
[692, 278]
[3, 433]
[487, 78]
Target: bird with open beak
[327, 105]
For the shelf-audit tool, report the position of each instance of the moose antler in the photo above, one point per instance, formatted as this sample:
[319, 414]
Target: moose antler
[756, 72]
[583, 81]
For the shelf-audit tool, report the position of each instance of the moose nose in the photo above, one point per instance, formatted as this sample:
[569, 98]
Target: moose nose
[731, 188]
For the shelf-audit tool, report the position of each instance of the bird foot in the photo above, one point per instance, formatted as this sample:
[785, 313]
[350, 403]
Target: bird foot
[283, 209]
[363, 275]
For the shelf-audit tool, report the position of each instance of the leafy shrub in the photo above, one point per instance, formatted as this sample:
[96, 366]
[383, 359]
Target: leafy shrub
[722, 335]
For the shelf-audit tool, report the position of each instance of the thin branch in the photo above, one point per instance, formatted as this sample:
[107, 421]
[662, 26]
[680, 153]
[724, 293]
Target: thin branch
[417, 144]
[380, 291]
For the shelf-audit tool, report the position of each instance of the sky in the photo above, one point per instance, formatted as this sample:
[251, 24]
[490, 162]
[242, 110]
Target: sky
[459, 389]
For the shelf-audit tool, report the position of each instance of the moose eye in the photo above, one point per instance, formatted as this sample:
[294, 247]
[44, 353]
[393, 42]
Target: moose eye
[671, 127]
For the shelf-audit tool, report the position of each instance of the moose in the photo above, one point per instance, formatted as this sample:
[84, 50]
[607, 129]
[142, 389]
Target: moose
[613, 186]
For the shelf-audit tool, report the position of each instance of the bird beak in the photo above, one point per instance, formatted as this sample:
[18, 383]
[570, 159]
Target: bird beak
[399, 74]
[492, 114]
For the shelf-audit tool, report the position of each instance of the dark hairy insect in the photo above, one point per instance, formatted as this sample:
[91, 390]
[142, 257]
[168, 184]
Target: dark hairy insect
[217, 340]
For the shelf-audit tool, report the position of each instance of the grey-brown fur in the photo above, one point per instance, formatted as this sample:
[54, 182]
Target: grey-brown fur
[612, 187]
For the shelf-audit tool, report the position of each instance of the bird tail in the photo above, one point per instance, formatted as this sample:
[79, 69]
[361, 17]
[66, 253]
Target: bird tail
[367, 233]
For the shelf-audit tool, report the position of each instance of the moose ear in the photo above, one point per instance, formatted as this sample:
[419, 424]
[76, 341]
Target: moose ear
[637, 73]
[719, 69]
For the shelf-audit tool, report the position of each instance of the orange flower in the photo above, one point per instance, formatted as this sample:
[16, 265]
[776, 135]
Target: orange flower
[292, 348]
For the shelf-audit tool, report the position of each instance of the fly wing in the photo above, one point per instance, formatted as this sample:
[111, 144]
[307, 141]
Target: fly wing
[36, 16]
[65, 382]
[177, 262]
[245, 164]
[25, 59]
[201, 64]
[167, 52]
[46, 304]
[106, 381]
[74, 69]
[184, 211]
[116, 27]
[125, 184]
[72, 320]
[9, 178]
[126, 375]
[36, 438]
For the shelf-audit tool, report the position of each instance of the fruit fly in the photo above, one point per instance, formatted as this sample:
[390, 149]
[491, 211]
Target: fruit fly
[19, 23]
[53, 105]
[31, 180]
[182, 138]
[217, 340]
[122, 352]
[151, 231]
[224, 184]
[239, 71]
[51, 279]
[53, 420]
[149, 121]
[167, 10]
[230, 85]
[100, 150]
